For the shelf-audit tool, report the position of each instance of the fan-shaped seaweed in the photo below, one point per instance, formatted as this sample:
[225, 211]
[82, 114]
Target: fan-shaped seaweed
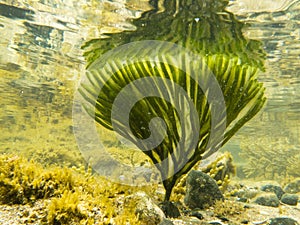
[205, 28]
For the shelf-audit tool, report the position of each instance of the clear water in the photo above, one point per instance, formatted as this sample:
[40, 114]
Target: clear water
[41, 64]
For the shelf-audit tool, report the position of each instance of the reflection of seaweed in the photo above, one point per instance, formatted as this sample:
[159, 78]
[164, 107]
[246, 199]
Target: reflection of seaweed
[270, 159]
[203, 26]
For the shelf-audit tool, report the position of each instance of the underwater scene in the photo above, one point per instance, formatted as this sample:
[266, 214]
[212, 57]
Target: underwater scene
[150, 112]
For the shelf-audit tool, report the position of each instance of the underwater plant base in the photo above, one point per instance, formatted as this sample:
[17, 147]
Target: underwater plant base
[170, 209]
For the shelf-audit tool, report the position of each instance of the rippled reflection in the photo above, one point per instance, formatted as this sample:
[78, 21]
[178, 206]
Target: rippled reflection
[41, 63]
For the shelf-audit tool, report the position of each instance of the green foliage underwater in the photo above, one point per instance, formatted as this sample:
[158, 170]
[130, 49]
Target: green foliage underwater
[204, 28]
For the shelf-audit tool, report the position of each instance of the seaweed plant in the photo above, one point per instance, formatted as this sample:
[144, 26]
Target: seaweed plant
[209, 31]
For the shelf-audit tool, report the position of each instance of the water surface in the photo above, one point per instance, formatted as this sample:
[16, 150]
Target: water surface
[41, 64]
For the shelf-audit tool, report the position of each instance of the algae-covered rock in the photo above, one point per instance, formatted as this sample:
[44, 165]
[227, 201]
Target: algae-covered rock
[273, 188]
[282, 221]
[247, 193]
[201, 190]
[221, 169]
[166, 222]
[196, 214]
[290, 199]
[170, 209]
[293, 187]
[267, 199]
[69, 195]
[146, 210]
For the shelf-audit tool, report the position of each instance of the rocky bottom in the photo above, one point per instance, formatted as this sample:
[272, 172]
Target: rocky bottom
[252, 203]
[31, 194]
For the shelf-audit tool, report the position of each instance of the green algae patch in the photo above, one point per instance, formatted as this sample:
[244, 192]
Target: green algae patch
[72, 194]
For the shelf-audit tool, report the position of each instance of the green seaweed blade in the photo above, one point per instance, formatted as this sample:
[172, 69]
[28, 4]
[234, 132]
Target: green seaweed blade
[205, 28]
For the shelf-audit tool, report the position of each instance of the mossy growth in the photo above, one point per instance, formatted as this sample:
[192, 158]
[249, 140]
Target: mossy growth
[221, 170]
[61, 210]
[73, 195]
[24, 181]
[228, 208]
[270, 158]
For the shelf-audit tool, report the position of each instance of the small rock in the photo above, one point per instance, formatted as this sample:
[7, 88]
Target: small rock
[222, 218]
[282, 221]
[267, 199]
[246, 207]
[242, 199]
[216, 223]
[293, 187]
[169, 209]
[273, 188]
[247, 193]
[184, 220]
[166, 222]
[197, 215]
[201, 190]
[290, 199]
[148, 212]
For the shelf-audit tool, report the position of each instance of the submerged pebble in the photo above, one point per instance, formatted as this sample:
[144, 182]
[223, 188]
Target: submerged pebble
[201, 190]
[169, 209]
[246, 193]
[148, 212]
[273, 188]
[290, 199]
[166, 222]
[282, 221]
[267, 199]
[197, 215]
[293, 187]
